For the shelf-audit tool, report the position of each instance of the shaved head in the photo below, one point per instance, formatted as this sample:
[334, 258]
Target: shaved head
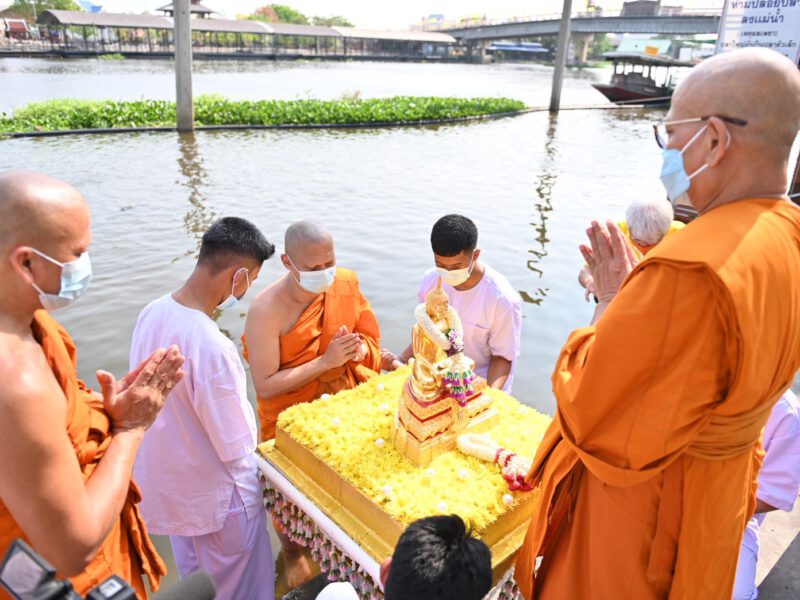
[35, 207]
[303, 234]
[38, 215]
[758, 85]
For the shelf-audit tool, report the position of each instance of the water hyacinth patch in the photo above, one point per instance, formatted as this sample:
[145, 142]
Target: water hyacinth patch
[71, 114]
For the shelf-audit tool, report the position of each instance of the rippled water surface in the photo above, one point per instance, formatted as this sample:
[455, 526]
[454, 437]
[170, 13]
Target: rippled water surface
[531, 183]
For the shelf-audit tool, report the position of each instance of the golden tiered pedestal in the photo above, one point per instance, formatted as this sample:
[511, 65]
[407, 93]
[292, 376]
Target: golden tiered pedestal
[422, 433]
[329, 449]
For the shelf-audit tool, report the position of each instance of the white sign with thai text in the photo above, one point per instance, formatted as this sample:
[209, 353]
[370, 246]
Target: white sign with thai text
[771, 24]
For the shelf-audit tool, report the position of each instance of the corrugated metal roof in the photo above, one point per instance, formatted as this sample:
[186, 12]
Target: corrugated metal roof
[69, 17]
[313, 30]
[409, 36]
[231, 26]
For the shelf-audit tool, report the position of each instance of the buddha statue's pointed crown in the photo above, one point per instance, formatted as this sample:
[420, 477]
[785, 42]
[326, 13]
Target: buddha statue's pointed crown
[436, 303]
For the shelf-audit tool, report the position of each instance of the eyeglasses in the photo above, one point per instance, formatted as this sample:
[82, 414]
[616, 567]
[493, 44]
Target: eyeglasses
[660, 129]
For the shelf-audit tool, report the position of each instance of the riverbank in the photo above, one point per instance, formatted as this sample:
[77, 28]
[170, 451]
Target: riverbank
[221, 55]
[216, 111]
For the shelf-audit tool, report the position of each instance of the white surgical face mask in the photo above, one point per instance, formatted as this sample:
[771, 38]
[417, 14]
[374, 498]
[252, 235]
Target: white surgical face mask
[76, 276]
[673, 172]
[315, 282]
[456, 277]
[232, 300]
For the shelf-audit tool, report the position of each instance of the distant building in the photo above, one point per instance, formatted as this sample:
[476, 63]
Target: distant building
[670, 11]
[89, 7]
[520, 51]
[431, 22]
[640, 8]
[16, 29]
[195, 9]
[649, 8]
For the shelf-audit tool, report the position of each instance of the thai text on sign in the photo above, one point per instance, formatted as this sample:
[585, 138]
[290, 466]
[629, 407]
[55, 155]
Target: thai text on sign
[773, 24]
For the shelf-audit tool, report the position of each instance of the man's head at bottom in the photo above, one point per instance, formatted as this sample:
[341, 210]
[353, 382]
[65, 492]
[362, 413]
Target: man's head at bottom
[436, 558]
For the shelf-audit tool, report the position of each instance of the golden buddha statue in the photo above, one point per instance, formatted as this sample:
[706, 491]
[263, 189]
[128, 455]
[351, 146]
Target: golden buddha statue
[427, 373]
[442, 397]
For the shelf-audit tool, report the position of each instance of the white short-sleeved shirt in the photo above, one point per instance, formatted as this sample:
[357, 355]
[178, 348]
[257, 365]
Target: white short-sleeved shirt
[779, 478]
[491, 314]
[202, 443]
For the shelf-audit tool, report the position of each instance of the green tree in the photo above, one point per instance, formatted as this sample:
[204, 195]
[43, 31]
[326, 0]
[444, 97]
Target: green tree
[599, 46]
[265, 13]
[23, 9]
[287, 14]
[335, 21]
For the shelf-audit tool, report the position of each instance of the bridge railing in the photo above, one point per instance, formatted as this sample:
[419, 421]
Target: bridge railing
[468, 22]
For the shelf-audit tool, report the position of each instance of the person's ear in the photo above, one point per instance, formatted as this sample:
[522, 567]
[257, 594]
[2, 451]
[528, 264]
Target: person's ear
[285, 261]
[384, 571]
[718, 140]
[476, 254]
[21, 263]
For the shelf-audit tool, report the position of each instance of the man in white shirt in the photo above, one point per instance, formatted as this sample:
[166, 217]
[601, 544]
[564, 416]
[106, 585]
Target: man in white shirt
[489, 307]
[196, 465]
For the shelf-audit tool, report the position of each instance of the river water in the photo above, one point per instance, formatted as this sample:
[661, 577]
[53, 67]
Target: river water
[531, 184]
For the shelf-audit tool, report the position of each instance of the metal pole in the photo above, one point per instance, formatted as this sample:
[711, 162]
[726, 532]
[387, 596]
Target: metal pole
[561, 56]
[183, 65]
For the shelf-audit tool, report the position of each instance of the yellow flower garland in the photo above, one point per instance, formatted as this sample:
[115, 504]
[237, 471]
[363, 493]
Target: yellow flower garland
[343, 430]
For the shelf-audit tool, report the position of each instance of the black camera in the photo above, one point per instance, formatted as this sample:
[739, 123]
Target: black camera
[28, 576]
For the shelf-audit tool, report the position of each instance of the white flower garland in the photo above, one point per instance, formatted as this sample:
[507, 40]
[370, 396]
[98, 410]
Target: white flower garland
[437, 335]
[513, 467]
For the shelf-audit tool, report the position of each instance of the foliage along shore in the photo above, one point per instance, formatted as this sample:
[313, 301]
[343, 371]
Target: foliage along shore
[69, 114]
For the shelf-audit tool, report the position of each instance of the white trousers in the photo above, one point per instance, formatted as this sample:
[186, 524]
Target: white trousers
[745, 586]
[238, 557]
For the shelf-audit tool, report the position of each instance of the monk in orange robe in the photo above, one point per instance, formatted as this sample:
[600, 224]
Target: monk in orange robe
[312, 332]
[646, 478]
[67, 453]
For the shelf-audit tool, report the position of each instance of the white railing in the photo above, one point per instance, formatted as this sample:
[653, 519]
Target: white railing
[467, 23]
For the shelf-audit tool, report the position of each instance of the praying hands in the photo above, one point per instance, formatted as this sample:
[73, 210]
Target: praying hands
[610, 259]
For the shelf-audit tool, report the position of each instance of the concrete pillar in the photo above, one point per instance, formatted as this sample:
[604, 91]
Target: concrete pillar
[583, 42]
[477, 51]
[183, 65]
[561, 56]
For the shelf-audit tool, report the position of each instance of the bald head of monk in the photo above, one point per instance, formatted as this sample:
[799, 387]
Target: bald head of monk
[309, 256]
[749, 102]
[38, 215]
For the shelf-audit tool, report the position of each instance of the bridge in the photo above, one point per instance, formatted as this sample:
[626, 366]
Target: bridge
[686, 23]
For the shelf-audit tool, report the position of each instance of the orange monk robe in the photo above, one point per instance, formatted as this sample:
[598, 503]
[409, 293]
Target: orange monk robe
[647, 475]
[127, 550]
[342, 304]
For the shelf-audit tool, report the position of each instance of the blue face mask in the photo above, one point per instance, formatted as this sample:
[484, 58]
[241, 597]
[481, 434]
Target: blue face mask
[76, 276]
[232, 300]
[673, 172]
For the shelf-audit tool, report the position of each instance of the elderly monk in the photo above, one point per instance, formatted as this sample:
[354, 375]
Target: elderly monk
[647, 477]
[311, 332]
[66, 453]
[646, 223]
